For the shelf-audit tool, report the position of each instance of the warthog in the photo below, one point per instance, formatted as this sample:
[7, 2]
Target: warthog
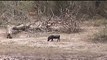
[9, 36]
[51, 37]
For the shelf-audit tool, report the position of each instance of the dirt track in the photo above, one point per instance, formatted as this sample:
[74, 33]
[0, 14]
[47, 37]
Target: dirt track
[74, 46]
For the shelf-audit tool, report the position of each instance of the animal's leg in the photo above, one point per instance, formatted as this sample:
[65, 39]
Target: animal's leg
[48, 39]
[58, 39]
[7, 36]
[51, 39]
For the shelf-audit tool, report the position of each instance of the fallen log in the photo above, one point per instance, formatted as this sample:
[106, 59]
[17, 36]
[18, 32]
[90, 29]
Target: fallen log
[16, 29]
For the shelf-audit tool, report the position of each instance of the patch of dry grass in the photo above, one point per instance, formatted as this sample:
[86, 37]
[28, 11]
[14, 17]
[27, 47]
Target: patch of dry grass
[95, 22]
[100, 37]
[100, 22]
[23, 49]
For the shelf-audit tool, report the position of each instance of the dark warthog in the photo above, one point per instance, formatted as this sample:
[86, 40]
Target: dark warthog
[9, 36]
[51, 37]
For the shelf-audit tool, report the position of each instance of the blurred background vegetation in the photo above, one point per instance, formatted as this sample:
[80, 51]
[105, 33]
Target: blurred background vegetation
[66, 15]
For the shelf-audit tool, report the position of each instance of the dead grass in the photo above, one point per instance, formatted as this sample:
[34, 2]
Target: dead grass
[100, 37]
[27, 50]
[100, 22]
[71, 46]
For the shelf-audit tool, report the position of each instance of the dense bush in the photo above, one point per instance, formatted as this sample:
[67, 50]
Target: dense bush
[70, 12]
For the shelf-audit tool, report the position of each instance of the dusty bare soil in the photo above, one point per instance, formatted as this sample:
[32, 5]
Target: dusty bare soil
[75, 46]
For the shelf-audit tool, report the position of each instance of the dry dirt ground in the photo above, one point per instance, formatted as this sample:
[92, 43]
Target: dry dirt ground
[74, 46]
